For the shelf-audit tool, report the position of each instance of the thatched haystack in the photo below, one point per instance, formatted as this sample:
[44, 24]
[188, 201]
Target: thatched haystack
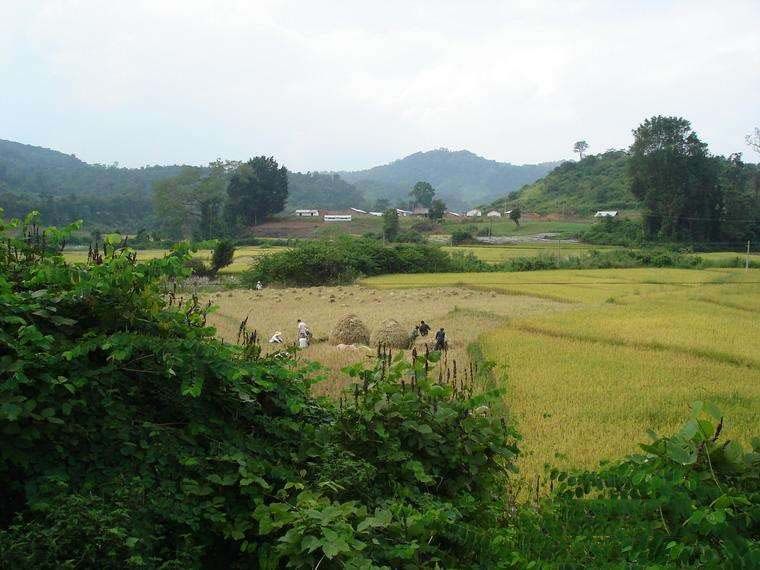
[392, 334]
[349, 330]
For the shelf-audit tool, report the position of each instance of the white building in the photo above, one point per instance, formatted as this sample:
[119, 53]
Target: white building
[358, 211]
[378, 214]
[475, 213]
[307, 213]
[606, 214]
[494, 214]
[403, 213]
[337, 217]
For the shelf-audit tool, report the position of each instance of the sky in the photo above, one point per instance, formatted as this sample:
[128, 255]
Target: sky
[344, 85]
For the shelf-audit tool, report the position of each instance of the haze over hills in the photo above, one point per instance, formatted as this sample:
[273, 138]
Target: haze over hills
[461, 177]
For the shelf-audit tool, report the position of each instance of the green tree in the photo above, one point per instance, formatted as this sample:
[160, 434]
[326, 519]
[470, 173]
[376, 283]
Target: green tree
[190, 204]
[515, 215]
[390, 224]
[422, 193]
[223, 254]
[381, 204]
[580, 147]
[437, 209]
[741, 209]
[257, 189]
[676, 180]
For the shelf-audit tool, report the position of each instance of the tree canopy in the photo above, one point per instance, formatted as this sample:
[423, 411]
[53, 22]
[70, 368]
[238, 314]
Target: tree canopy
[422, 194]
[676, 180]
[580, 147]
[257, 189]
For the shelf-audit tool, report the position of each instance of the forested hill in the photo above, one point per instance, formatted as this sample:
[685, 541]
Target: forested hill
[598, 182]
[27, 169]
[460, 177]
[64, 188]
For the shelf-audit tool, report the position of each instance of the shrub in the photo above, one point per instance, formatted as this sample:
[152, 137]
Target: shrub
[198, 267]
[687, 501]
[410, 236]
[131, 437]
[614, 231]
[461, 236]
[343, 260]
[223, 254]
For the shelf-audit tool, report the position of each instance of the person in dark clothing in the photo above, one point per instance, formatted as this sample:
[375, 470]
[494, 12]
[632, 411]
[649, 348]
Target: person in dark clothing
[424, 328]
[440, 339]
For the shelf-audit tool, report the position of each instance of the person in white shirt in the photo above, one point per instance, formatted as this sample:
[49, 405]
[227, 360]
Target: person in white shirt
[277, 338]
[302, 329]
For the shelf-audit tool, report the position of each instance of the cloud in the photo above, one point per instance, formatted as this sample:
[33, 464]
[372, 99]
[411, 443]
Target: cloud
[334, 85]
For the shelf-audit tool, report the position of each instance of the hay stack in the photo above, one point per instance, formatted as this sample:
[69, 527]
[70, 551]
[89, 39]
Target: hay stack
[349, 330]
[391, 333]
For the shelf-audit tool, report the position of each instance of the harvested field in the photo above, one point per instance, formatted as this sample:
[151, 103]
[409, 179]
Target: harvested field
[465, 314]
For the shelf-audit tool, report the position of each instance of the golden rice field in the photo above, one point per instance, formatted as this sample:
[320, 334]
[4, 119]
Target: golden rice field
[244, 255]
[632, 349]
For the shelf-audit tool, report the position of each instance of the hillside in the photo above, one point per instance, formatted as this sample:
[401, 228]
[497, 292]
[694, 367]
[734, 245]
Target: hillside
[27, 169]
[461, 177]
[598, 182]
[315, 190]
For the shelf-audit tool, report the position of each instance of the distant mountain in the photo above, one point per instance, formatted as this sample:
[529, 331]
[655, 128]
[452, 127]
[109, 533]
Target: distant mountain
[598, 182]
[27, 169]
[460, 177]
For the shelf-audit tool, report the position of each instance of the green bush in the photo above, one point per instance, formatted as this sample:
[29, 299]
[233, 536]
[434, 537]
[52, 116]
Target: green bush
[410, 236]
[459, 237]
[131, 437]
[223, 254]
[343, 260]
[688, 501]
[614, 231]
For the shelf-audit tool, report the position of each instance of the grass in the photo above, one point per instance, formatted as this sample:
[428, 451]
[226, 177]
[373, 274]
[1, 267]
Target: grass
[632, 349]
[244, 255]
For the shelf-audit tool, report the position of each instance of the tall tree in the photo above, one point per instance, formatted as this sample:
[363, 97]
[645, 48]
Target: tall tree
[390, 224]
[580, 147]
[189, 204]
[257, 189]
[515, 214]
[437, 209]
[422, 193]
[741, 206]
[676, 180]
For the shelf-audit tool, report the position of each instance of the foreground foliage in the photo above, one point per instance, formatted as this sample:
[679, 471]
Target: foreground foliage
[130, 437]
[688, 500]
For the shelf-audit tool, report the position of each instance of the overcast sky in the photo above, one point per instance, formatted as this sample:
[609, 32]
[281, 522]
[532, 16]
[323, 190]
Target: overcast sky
[347, 85]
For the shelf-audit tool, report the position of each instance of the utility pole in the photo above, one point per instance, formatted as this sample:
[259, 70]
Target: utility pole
[746, 261]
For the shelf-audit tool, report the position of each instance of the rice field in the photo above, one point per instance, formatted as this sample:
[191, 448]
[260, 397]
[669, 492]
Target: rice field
[244, 255]
[465, 314]
[632, 349]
